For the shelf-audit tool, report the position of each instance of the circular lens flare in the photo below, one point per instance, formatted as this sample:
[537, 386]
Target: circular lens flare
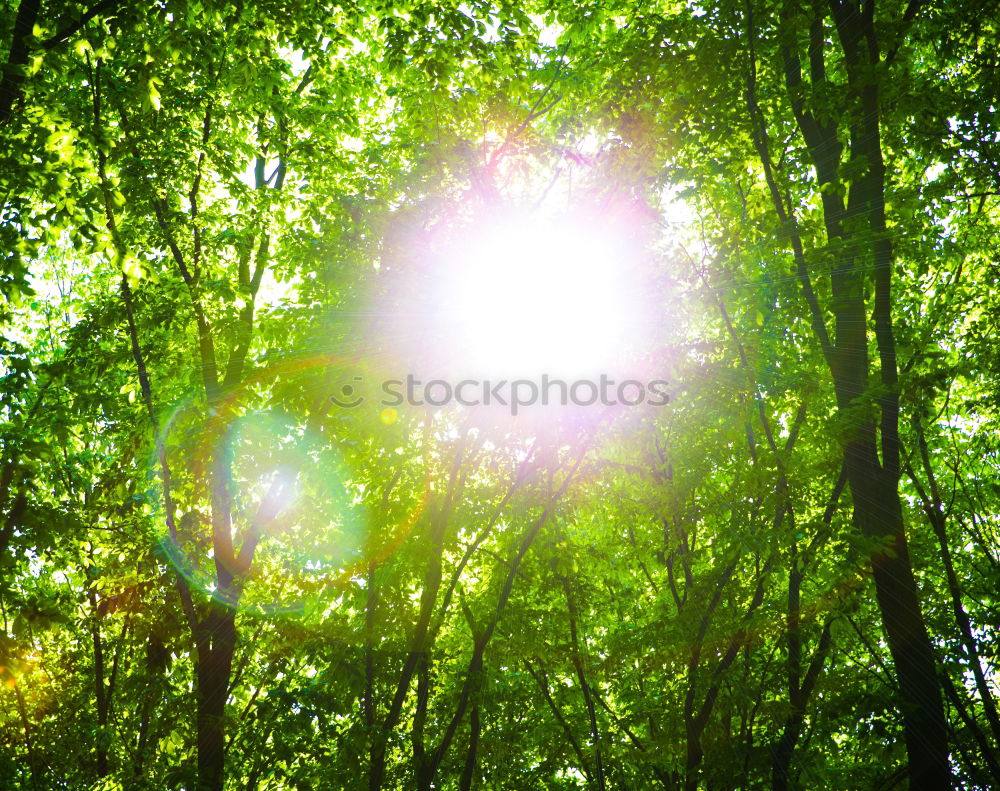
[286, 481]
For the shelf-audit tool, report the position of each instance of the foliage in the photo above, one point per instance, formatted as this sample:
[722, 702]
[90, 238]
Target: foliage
[212, 575]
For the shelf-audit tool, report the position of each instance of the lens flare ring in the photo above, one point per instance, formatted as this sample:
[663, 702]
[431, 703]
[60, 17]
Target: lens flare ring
[281, 479]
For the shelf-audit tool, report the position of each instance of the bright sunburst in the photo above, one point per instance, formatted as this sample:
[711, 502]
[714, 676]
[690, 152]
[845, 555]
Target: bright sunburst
[524, 296]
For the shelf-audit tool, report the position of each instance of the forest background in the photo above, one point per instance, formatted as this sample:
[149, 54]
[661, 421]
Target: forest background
[215, 576]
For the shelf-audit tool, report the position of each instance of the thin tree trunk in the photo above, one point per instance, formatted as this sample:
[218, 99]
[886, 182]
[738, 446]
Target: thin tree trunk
[142, 740]
[799, 689]
[421, 766]
[212, 670]
[28, 745]
[974, 729]
[935, 511]
[471, 757]
[419, 644]
[418, 658]
[543, 685]
[474, 674]
[100, 693]
[595, 735]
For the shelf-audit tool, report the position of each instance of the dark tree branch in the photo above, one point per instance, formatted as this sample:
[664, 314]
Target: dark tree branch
[12, 77]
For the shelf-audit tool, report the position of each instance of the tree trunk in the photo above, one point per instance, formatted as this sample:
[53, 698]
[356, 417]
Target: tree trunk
[12, 74]
[878, 512]
[472, 755]
[213, 670]
[595, 734]
[859, 233]
[100, 692]
[923, 715]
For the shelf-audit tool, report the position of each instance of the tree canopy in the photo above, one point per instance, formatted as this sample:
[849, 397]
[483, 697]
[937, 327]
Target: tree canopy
[254, 259]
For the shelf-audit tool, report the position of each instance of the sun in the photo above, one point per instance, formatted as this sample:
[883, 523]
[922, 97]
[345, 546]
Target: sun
[522, 296]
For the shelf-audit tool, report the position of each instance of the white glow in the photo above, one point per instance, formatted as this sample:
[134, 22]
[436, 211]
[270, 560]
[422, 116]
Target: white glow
[281, 493]
[525, 297]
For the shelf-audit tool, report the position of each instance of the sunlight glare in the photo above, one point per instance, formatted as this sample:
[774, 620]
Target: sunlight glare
[524, 297]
